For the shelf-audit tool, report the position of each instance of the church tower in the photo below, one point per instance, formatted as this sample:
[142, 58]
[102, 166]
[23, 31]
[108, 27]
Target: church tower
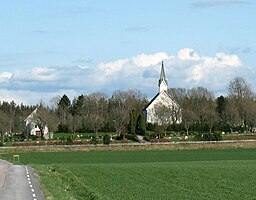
[162, 84]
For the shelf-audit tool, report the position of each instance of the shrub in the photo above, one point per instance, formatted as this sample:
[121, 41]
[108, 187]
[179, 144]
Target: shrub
[94, 140]
[154, 140]
[125, 141]
[151, 127]
[34, 137]
[208, 137]
[132, 137]
[63, 128]
[69, 141]
[147, 137]
[1, 144]
[164, 140]
[106, 139]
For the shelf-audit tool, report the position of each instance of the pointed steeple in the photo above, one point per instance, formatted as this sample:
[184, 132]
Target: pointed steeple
[162, 84]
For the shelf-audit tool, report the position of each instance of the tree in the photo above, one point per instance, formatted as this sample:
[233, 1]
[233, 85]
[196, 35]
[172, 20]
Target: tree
[232, 117]
[133, 121]
[4, 125]
[163, 114]
[239, 88]
[121, 104]
[200, 101]
[240, 91]
[211, 115]
[250, 112]
[106, 139]
[188, 117]
[97, 110]
[141, 125]
[64, 110]
[221, 102]
[77, 111]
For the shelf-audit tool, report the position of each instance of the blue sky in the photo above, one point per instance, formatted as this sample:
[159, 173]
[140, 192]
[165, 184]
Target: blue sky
[53, 47]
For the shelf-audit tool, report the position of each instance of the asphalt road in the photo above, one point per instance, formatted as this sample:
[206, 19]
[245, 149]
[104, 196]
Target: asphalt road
[17, 182]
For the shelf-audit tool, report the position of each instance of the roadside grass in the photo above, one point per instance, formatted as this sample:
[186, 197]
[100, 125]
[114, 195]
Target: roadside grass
[194, 174]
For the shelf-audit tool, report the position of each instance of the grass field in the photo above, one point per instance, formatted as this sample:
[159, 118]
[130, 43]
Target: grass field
[196, 174]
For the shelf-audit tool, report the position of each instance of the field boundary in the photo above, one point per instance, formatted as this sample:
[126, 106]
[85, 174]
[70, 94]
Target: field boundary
[189, 145]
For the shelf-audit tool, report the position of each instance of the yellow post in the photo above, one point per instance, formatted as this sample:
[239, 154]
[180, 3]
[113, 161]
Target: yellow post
[16, 156]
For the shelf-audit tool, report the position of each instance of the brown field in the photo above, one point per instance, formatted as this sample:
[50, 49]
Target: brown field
[131, 147]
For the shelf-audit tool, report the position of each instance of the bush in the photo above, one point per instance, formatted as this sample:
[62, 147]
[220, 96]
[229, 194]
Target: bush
[151, 127]
[164, 140]
[94, 140]
[132, 137]
[1, 144]
[208, 137]
[69, 141]
[106, 139]
[154, 140]
[34, 137]
[147, 137]
[63, 128]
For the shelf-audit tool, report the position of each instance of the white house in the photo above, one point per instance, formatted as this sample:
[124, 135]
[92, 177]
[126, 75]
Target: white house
[163, 98]
[32, 128]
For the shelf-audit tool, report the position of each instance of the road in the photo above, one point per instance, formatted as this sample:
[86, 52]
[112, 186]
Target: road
[17, 182]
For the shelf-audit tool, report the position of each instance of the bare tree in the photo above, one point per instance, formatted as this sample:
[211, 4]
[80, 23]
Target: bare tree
[4, 125]
[240, 92]
[211, 116]
[231, 114]
[122, 103]
[250, 112]
[188, 117]
[200, 99]
[163, 114]
[239, 88]
[98, 110]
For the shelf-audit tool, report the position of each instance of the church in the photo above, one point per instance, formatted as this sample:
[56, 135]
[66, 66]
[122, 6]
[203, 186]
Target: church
[163, 99]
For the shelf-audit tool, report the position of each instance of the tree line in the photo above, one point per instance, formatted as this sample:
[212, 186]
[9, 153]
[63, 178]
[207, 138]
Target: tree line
[122, 112]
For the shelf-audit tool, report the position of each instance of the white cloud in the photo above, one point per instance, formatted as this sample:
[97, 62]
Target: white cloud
[188, 54]
[187, 69]
[144, 60]
[112, 67]
[5, 77]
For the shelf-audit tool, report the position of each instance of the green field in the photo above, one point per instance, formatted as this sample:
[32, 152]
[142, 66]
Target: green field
[196, 174]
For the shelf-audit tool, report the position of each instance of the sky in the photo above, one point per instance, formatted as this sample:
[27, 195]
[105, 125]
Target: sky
[73, 47]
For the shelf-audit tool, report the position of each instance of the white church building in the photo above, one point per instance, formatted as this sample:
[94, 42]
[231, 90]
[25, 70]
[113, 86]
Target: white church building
[164, 99]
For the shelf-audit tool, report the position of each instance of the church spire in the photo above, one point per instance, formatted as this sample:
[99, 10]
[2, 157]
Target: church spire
[162, 75]
[162, 84]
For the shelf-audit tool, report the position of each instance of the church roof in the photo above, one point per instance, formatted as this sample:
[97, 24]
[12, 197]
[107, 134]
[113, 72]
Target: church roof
[152, 100]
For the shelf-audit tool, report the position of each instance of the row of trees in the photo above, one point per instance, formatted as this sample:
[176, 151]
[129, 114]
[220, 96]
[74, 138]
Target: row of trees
[122, 112]
[201, 111]
[96, 112]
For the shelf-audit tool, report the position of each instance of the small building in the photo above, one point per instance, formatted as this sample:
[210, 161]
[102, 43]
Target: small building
[165, 99]
[32, 126]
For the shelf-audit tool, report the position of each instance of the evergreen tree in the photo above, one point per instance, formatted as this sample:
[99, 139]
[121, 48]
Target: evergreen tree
[133, 121]
[141, 124]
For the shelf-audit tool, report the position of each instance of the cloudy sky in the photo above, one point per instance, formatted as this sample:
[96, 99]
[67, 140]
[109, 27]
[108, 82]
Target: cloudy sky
[75, 47]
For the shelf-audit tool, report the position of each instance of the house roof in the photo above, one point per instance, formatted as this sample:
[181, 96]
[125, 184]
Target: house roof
[30, 117]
